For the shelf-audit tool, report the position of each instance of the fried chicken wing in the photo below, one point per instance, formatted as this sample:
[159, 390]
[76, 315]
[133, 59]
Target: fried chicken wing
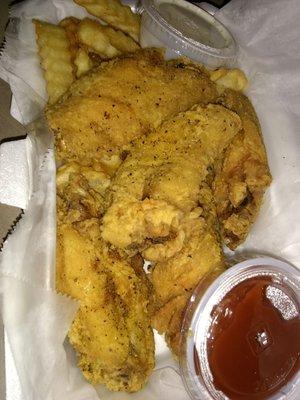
[160, 199]
[160, 180]
[242, 175]
[175, 278]
[121, 100]
[111, 331]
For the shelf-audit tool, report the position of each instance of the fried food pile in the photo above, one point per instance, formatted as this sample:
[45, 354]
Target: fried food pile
[162, 161]
[169, 178]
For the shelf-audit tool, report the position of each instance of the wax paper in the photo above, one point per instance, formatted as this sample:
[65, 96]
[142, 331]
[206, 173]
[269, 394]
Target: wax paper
[36, 318]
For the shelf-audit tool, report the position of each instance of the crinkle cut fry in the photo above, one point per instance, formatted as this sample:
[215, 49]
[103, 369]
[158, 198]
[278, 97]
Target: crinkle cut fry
[93, 36]
[56, 58]
[82, 62]
[105, 40]
[92, 42]
[120, 40]
[115, 14]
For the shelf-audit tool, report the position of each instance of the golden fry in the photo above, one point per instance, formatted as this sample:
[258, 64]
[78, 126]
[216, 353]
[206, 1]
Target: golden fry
[91, 35]
[56, 59]
[117, 38]
[70, 25]
[234, 79]
[82, 62]
[115, 14]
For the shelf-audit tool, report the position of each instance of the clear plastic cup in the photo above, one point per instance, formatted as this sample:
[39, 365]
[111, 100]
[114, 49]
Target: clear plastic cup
[196, 372]
[186, 30]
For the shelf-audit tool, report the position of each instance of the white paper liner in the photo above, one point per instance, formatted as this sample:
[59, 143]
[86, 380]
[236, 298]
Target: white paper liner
[14, 173]
[36, 318]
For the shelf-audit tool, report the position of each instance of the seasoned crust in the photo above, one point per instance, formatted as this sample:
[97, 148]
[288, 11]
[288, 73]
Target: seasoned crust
[243, 175]
[122, 99]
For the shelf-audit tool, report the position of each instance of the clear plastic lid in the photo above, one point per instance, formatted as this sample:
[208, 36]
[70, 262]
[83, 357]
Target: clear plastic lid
[205, 311]
[187, 30]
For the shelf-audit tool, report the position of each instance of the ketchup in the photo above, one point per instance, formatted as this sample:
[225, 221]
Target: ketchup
[254, 341]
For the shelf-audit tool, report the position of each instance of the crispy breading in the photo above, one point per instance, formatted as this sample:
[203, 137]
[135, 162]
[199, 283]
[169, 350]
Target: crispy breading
[111, 331]
[243, 175]
[80, 191]
[160, 198]
[56, 58]
[121, 100]
[115, 14]
[174, 279]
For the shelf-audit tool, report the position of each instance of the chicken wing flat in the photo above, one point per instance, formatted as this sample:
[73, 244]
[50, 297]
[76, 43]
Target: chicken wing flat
[160, 198]
[121, 100]
[111, 331]
[243, 174]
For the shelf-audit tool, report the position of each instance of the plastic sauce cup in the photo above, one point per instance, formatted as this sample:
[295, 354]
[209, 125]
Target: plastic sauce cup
[186, 30]
[260, 298]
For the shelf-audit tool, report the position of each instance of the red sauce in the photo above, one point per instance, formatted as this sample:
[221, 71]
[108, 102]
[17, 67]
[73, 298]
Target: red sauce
[254, 343]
